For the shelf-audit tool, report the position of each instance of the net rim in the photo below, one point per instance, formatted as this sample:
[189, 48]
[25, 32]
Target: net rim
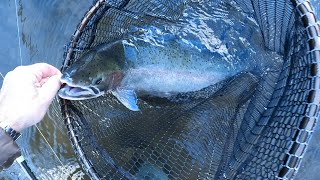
[306, 14]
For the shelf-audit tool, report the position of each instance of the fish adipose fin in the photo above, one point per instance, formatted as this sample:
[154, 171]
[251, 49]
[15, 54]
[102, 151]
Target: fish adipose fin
[127, 97]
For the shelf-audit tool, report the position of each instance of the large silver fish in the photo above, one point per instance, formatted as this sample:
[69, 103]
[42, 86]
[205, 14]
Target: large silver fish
[125, 69]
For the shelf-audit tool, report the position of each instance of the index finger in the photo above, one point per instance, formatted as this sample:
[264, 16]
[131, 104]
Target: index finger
[43, 70]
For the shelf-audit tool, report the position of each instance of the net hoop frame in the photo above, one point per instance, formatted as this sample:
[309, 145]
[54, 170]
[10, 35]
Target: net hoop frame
[306, 14]
[86, 164]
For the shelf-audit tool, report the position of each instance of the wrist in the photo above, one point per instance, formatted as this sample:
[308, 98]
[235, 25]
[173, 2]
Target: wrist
[10, 122]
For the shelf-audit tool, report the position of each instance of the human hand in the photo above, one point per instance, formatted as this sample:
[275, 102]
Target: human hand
[26, 94]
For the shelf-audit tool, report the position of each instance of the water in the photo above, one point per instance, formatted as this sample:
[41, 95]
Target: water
[44, 28]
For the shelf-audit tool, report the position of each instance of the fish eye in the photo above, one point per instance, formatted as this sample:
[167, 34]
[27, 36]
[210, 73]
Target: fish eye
[98, 81]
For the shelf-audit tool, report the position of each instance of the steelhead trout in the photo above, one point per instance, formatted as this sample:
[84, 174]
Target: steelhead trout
[128, 69]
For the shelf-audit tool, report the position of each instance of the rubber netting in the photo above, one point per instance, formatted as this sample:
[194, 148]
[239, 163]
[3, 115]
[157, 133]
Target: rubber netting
[249, 127]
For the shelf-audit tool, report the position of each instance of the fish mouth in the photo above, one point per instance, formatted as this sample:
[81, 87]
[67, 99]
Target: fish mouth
[72, 92]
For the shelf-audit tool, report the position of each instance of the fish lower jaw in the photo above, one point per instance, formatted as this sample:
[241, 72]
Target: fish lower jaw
[63, 96]
[76, 98]
[77, 93]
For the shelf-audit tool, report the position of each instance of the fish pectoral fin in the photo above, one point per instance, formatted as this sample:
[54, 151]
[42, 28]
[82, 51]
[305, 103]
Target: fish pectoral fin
[127, 97]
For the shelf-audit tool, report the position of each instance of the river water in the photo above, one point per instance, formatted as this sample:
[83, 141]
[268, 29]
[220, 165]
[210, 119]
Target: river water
[44, 28]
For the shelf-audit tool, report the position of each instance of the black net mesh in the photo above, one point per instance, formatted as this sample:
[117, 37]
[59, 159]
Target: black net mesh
[249, 126]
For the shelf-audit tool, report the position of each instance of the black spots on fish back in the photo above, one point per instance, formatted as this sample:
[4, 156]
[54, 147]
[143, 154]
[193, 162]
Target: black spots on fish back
[82, 77]
[80, 81]
[112, 60]
[87, 56]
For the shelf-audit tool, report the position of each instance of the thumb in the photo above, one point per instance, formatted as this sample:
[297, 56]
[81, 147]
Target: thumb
[49, 89]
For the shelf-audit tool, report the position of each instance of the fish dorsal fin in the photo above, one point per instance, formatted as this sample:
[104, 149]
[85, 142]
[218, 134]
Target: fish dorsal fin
[127, 97]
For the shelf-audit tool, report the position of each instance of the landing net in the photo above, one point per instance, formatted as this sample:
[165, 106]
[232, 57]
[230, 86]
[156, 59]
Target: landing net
[209, 133]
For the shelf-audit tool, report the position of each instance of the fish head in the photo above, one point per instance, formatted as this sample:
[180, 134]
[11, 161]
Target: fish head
[92, 75]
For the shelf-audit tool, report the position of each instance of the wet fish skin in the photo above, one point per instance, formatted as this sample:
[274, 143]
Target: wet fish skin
[125, 69]
[99, 70]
